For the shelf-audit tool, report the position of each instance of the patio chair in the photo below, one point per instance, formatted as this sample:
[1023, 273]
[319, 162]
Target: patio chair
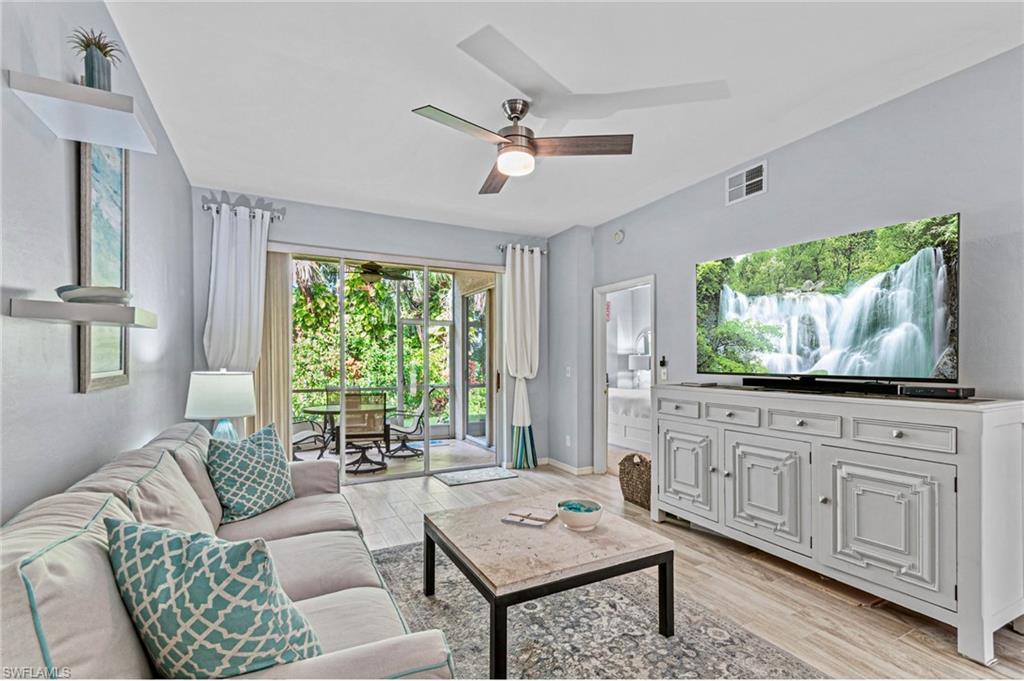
[307, 436]
[406, 433]
[365, 427]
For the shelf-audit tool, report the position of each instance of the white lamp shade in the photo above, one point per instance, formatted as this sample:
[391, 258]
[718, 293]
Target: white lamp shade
[220, 394]
[639, 362]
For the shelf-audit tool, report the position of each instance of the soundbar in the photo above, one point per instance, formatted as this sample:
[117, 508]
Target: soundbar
[818, 385]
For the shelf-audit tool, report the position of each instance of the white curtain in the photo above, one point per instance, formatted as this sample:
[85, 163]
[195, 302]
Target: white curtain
[234, 316]
[522, 342]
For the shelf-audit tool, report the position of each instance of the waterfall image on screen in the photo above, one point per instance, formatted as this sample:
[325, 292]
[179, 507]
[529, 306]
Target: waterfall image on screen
[881, 303]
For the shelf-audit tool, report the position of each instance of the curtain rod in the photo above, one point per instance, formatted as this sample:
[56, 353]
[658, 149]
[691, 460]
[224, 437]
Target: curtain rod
[502, 247]
[215, 208]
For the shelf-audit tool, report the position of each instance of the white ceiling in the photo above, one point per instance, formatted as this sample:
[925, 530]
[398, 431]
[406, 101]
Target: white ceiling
[311, 102]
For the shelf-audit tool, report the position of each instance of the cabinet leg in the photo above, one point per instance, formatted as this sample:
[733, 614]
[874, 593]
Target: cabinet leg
[1018, 625]
[977, 645]
[657, 515]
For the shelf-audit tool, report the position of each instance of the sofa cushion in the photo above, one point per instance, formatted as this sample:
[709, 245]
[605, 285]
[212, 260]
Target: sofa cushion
[188, 443]
[61, 607]
[312, 565]
[204, 607]
[349, 618]
[249, 475]
[302, 515]
[423, 655]
[152, 485]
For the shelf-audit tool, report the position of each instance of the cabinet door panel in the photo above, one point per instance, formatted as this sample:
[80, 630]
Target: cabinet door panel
[767, 488]
[890, 520]
[686, 462]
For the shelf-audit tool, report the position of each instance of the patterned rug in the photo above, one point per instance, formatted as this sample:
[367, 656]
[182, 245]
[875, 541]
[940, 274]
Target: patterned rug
[603, 630]
[475, 475]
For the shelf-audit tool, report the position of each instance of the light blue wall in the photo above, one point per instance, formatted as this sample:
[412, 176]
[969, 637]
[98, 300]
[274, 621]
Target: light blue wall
[954, 145]
[570, 344]
[52, 435]
[338, 228]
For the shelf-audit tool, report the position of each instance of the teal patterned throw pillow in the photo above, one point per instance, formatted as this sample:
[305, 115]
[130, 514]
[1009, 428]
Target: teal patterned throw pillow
[250, 476]
[205, 607]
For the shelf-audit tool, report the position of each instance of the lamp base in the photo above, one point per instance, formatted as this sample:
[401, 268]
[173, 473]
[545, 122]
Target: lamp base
[225, 430]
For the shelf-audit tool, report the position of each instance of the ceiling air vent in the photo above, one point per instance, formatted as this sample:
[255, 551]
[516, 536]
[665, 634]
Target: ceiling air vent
[746, 183]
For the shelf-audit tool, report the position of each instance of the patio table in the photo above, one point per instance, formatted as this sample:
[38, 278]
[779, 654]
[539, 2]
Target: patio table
[363, 463]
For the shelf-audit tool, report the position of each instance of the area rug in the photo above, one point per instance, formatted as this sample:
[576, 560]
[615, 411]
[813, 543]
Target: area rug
[603, 630]
[475, 475]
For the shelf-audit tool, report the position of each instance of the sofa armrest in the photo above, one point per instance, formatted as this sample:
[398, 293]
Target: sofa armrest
[423, 655]
[315, 477]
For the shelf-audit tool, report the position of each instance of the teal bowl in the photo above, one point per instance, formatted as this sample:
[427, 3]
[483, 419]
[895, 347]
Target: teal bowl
[580, 515]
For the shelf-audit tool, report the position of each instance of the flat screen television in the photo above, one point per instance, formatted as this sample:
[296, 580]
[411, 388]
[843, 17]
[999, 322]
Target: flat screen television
[880, 304]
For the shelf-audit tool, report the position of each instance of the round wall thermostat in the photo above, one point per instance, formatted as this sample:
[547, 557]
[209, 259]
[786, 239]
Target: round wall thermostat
[618, 236]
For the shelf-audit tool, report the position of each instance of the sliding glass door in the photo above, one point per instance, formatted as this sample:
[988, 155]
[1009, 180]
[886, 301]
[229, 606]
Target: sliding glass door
[477, 369]
[392, 366]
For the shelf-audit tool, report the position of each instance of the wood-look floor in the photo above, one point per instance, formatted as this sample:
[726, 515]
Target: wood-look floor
[839, 630]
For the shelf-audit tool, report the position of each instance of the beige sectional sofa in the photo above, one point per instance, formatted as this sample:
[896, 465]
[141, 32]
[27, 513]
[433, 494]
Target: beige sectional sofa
[61, 610]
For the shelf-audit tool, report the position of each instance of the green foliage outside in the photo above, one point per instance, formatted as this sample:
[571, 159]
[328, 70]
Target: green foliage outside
[371, 337]
[833, 265]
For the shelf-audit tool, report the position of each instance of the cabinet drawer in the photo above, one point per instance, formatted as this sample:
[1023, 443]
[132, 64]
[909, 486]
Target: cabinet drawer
[910, 435]
[730, 413]
[673, 406]
[802, 422]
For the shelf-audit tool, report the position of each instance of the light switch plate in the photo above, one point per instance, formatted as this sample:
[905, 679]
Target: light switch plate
[663, 374]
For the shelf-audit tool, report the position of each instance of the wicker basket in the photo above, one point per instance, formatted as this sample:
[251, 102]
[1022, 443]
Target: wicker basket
[635, 479]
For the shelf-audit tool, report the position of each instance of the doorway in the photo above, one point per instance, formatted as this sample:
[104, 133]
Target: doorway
[624, 371]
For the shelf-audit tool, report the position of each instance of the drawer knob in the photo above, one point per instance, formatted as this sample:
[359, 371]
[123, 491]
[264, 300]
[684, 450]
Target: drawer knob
[727, 474]
[897, 434]
[712, 469]
[730, 414]
[678, 406]
[801, 422]
[823, 499]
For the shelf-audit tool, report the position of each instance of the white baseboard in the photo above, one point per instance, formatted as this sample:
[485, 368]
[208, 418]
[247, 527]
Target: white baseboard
[555, 463]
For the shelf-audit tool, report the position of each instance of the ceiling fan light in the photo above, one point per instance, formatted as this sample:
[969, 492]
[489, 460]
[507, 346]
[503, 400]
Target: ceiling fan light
[515, 161]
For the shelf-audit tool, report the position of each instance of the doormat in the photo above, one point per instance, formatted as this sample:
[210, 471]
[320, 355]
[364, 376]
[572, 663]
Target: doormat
[456, 478]
[434, 444]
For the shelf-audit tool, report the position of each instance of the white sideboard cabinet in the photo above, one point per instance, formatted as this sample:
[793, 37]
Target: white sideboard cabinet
[920, 502]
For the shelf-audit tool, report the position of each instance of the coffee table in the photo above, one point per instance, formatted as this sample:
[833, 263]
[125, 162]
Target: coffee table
[511, 564]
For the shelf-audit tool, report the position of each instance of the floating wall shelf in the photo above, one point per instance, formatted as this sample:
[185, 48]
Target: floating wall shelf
[85, 114]
[83, 313]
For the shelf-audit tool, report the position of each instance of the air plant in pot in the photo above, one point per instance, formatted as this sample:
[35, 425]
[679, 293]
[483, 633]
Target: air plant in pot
[100, 54]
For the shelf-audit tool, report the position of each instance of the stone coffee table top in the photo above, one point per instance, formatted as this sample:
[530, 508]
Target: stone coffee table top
[511, 558]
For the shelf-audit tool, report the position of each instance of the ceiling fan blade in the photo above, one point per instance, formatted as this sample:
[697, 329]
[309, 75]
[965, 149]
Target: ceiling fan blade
[503, 58]
[603, 105]
[494, 182]
[460, 124]
[584, 145]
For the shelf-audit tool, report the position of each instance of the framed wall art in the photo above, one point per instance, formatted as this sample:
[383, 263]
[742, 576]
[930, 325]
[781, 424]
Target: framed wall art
[103, 260]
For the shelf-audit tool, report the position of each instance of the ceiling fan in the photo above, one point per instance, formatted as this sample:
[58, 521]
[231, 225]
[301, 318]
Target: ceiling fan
[373, 272]
[517, 145]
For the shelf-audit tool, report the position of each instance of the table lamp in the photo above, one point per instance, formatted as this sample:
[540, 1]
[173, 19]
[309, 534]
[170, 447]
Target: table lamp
[221, 395]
